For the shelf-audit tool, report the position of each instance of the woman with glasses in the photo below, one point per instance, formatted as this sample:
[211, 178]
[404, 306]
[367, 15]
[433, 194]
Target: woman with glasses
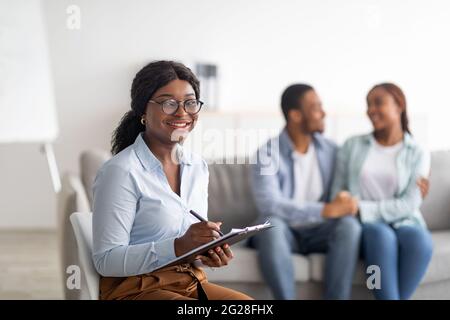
[143, 195]
[388, 171]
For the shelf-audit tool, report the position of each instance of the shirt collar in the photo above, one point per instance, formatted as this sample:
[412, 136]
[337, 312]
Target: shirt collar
[287, 145]
[149, 160]
[408, 140]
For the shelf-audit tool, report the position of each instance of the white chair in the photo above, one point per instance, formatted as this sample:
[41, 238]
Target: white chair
[72, 198]
[82, 228]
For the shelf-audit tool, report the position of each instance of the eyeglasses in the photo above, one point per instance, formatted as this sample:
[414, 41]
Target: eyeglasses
[170, 106]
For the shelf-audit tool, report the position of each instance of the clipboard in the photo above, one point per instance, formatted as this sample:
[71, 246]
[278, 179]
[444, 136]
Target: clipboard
[232, 237]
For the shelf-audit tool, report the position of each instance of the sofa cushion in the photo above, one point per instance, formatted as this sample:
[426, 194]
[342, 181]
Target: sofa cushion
[244, 268]
[317, 264]
[438, 270]
[436, 206]
[230, 199]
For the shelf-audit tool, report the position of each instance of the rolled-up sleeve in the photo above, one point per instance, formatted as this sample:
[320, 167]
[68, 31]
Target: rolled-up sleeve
[115, 201]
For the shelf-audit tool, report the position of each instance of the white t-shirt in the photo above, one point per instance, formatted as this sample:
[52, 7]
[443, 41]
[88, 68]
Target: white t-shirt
[379, 175]
[308, 184]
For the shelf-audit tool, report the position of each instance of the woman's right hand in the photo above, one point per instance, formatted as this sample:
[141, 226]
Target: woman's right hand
[197, 234]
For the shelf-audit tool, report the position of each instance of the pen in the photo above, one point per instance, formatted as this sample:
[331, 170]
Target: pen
[199, 217]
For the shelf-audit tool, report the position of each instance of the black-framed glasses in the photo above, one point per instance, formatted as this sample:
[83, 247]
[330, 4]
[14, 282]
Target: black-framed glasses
[170, 106]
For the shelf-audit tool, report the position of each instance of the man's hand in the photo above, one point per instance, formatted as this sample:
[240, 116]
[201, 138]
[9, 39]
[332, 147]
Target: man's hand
[424, 186]
[197, 234]
[344, 204]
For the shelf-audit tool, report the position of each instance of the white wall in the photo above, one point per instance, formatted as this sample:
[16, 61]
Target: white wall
[341, 47]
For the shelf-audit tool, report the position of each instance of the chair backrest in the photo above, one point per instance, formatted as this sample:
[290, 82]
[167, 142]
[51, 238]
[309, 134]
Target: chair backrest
[90, 162]
[82, 227]
[436, 206]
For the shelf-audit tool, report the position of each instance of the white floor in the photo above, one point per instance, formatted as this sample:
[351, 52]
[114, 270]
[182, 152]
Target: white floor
[29, 265]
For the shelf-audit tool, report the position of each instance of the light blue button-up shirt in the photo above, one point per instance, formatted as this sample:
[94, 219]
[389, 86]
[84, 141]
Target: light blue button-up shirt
[273, 191]
[413, 162]
[136, 214]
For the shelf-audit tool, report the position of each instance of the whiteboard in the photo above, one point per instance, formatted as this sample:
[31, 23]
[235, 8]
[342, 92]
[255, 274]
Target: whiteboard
[27, 106]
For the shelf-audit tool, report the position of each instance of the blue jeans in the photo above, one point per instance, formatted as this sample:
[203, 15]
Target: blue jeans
[402, 254]
[339, 238]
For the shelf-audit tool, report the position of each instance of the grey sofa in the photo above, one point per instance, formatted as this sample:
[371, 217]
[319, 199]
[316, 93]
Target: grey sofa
[230, 201]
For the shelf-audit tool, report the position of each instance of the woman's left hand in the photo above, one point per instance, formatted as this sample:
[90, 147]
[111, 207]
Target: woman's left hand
[218, 257]
[424, 186]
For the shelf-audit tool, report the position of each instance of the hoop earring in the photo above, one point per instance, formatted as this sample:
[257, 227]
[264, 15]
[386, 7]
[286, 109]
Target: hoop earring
[143, 121]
